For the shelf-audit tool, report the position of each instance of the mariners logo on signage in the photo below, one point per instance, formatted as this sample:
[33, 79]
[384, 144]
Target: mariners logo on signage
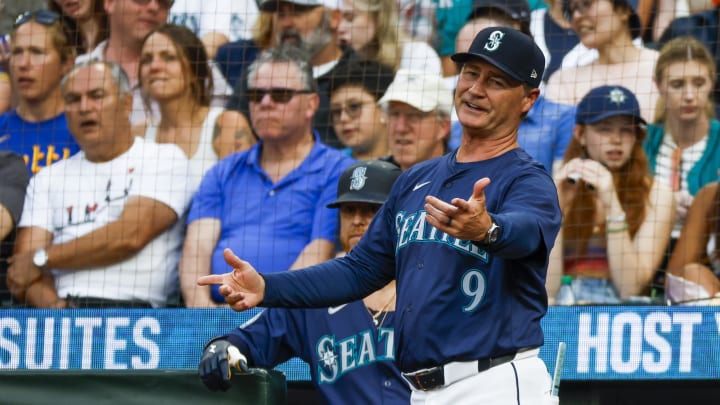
[494, 41]
[357, 180]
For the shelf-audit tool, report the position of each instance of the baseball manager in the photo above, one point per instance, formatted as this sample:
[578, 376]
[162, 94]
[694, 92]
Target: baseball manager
[470, 272]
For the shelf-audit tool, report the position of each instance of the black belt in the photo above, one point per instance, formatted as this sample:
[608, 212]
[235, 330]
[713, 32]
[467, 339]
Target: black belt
[432, 378]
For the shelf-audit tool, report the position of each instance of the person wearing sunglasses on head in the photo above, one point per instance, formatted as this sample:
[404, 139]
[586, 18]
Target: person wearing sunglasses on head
[358, 120]
[418, 108]
[40, 54]
[270, 203]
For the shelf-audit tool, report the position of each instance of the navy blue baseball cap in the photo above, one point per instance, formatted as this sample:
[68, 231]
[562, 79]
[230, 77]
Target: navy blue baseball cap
[518, 10]
[368, 181]
[605, 102]
[509, 50]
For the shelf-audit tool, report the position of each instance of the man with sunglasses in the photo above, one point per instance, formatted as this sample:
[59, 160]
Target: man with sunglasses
[311, 25]
[418, 109]
[271, 202]
[101, 228]
[130, 22]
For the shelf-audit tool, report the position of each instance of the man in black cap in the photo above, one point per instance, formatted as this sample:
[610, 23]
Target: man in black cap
[349, 347]
[470, 272]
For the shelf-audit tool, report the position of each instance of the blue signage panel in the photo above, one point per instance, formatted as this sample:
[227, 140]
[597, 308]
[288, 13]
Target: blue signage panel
[603, 343]
[631, 342]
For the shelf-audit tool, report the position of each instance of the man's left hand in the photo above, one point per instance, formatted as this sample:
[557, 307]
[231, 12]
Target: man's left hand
[462, 219]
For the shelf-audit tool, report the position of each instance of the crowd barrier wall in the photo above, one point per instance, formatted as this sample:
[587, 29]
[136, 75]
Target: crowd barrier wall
[609, 348]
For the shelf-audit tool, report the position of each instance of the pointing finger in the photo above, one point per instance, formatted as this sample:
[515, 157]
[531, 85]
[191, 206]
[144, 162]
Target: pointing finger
[213, 279]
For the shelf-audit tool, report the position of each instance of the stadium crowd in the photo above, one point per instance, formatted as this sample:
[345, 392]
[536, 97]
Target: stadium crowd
[140, 138]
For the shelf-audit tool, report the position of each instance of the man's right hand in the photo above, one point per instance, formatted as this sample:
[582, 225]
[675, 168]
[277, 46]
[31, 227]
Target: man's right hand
[218, 358]
[243, 288]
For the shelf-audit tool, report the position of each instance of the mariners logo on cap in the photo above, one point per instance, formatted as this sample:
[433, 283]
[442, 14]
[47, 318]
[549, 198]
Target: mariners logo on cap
[494, 41]
[357, 180]
[617, 96]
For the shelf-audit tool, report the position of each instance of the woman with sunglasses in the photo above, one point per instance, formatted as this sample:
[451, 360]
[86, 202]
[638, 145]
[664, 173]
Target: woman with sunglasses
[617, 220]
[370, 27]
[40, 55]
[174, 73]
[86, 22]
[608, 27]
[358, 120]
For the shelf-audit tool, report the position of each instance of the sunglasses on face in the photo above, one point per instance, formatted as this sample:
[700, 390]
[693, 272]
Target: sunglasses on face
[44, 17]
[277, 94]
[166, 4]
[353, 109]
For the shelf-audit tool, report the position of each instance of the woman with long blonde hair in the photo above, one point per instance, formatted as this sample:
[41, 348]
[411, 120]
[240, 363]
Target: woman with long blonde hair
[617, 220]
[370, 27]
[683, 142]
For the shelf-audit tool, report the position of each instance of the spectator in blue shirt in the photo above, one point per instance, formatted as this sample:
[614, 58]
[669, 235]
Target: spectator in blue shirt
[269, 203]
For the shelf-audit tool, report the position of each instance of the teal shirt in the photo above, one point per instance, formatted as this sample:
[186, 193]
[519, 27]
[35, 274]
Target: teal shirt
[704, 171]
[450, 16]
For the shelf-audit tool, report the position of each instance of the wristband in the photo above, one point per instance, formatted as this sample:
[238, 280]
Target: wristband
[623, 228]
[616, 220]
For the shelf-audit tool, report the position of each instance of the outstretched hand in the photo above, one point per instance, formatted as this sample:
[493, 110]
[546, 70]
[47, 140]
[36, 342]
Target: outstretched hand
[463, 219]
[243, 288]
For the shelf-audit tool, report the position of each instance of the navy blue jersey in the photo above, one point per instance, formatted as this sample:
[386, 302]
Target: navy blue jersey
[351, 361]
[457, 300]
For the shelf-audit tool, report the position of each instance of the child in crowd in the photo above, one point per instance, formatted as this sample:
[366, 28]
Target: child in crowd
[359, 122]
[617, 220]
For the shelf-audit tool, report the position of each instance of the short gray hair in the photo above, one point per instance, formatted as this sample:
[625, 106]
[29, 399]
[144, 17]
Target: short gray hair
[287, 53]
[116, 71]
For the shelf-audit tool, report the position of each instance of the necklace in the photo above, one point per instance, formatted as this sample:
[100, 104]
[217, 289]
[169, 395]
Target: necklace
[375, 315]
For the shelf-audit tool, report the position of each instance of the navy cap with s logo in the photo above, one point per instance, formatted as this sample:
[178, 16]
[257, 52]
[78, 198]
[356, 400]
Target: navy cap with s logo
[509, 50]
[367, 181]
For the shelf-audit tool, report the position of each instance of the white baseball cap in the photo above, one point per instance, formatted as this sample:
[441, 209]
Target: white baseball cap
[426, 92]
[272, 5]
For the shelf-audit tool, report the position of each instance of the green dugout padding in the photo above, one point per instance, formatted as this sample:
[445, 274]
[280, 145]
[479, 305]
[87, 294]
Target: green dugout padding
[154, 387]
